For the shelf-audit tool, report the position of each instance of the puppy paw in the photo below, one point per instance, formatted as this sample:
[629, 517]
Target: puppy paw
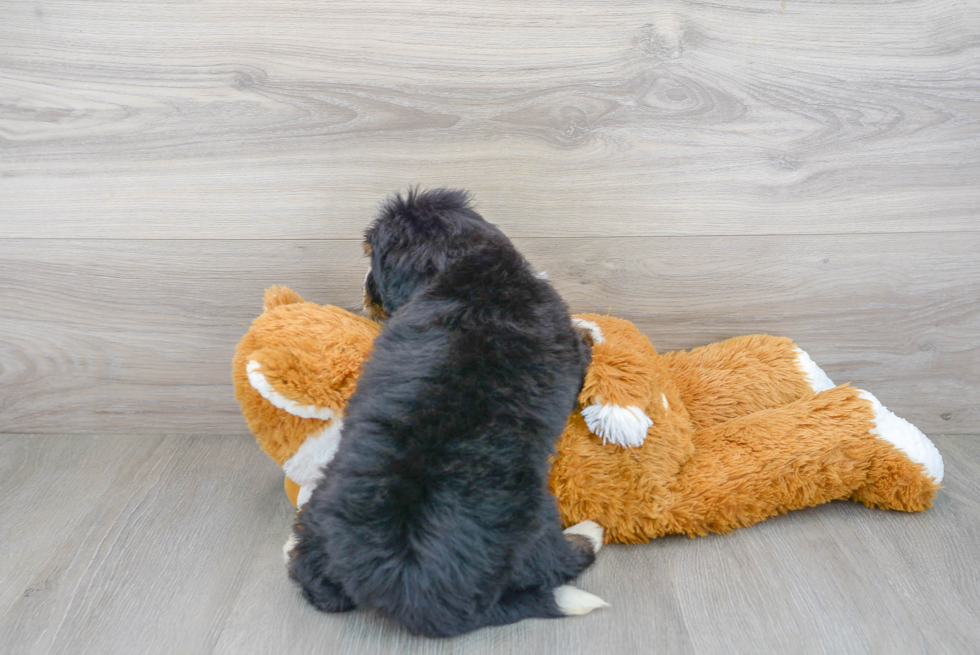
[287, 548]
[589, 529]
[572, 601]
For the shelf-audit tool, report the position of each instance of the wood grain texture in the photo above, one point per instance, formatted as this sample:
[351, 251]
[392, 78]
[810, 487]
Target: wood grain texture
[107, 532]
[138, 336]
[704, 168]
[258, 119]
[115, 544]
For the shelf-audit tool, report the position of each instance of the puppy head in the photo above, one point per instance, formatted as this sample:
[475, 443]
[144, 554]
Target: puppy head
[412, 240]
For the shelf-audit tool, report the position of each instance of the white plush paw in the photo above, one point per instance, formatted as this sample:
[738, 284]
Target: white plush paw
[819, 381]
[287, 548]
[572, 601]
[623, 426]
[906, 437]
[305, 467]
[590, 529]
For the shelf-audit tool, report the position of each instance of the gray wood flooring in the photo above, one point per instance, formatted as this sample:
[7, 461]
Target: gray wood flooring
[706, 169]
[120, 544]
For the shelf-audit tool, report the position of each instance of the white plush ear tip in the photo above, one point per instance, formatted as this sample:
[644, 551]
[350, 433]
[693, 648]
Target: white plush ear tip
[572, 601]
[906, 437]
[623, 426]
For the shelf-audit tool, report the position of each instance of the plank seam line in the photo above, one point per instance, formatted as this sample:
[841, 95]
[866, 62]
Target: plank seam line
[523, 238]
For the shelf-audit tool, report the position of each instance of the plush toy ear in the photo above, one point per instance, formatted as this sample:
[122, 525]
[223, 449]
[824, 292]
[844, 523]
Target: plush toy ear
[619, 383]
[279, 295]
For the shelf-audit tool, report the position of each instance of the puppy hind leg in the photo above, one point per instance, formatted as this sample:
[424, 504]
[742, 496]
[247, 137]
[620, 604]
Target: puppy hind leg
[556, 558]
[325, 595]
[307, 563]
[583, 541]
[514, 605]
[588, 529]
[535, 588]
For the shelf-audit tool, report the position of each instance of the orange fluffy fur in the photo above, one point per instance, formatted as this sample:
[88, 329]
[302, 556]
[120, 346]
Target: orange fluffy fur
[738, 434]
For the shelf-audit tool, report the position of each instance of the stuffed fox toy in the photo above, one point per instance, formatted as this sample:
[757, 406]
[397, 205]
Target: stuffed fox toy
[707, 440]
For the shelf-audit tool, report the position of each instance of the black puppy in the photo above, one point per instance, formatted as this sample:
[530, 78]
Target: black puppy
[436, 507]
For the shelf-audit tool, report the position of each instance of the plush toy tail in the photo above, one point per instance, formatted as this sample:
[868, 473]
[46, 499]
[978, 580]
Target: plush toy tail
[833, 445]
[279, 295]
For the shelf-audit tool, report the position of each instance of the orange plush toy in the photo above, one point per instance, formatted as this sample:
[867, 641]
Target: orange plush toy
[708, 440]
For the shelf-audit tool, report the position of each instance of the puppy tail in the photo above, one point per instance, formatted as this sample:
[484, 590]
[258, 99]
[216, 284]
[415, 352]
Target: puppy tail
[541, 603]
[513, 606]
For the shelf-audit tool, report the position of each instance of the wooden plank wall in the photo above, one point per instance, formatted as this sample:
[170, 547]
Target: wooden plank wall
[705, 169]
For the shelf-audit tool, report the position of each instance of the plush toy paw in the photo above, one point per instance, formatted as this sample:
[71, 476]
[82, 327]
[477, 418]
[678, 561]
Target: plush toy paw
[620, 384]
[819, 381]
[906, 437]
[572, 601]
[305, 467]
[623, 426]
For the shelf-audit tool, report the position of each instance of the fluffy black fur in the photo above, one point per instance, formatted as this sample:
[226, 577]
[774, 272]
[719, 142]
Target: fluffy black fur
[436, 508]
